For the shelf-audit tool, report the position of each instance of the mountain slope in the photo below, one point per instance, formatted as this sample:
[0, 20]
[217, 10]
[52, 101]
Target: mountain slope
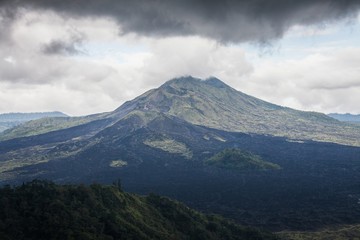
[95, 145]
[213, 104]
[43, 210]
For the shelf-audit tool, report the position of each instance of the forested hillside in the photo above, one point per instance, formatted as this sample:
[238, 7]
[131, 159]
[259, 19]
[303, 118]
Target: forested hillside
[43, 210]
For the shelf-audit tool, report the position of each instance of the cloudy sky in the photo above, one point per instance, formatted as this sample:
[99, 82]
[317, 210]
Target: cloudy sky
[88, 56]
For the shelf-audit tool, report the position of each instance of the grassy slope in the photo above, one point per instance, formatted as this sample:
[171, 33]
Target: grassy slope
[43, 210]
[240, 160]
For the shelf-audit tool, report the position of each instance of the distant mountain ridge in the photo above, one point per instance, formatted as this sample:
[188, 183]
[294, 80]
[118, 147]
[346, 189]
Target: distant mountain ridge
[29, 116]
[9, 120]
[346, 117]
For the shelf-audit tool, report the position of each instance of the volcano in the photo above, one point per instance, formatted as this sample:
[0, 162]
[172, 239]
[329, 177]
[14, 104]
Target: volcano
[164, 140]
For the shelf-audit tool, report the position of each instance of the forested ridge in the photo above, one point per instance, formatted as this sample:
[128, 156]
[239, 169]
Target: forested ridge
[44, 210]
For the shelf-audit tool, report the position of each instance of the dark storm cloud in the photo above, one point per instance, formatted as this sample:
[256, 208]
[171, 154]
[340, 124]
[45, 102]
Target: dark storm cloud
[225, 20]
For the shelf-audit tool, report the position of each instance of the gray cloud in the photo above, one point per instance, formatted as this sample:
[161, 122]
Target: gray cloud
[8, 13]
[225, 21]
[72, 46]
[323, 81]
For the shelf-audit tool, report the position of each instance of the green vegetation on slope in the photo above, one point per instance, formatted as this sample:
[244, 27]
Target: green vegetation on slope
[42, 210]
[233, 158]
[171, 146]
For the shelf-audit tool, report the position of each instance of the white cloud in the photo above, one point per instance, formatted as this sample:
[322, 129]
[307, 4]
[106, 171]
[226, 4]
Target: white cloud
[10, 60]
[326, 82]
